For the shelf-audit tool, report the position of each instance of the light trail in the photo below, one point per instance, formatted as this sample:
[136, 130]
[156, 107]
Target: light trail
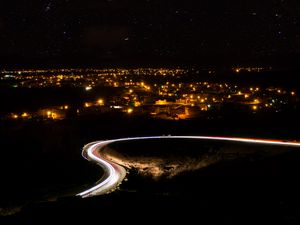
[114, 173]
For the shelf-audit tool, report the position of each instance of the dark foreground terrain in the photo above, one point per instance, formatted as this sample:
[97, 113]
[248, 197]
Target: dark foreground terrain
[43, 169]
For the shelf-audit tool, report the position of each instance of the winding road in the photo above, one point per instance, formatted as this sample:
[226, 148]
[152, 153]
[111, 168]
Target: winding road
[114, 173]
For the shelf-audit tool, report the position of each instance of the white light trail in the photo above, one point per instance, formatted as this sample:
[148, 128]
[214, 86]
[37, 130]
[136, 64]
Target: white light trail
[114, 173]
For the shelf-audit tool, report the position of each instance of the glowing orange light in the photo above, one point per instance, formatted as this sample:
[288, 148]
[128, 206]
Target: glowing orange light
[87, 104]
[24, 114]
[100, 101]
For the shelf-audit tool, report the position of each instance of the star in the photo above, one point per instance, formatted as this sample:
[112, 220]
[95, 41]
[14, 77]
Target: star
[48, 7]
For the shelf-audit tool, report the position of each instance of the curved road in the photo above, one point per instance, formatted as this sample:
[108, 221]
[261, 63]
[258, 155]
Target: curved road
[114, 173]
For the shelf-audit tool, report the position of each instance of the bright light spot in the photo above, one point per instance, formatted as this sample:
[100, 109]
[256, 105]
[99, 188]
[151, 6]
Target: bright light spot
[54, 115]
[246, 96]
[66, 107]
[87, 105]
[130, 91]
[293, 93]
[161, 102]
[137, 104]
[49, 113]
[100, 101]
[88, 88]
[237, 70]
[24, 114]
[130, 110]
[254, 107]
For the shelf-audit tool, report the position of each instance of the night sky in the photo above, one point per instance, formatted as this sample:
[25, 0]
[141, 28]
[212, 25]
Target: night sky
[95, 32]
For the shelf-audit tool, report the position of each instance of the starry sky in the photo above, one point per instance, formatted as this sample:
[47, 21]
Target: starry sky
[95, 32]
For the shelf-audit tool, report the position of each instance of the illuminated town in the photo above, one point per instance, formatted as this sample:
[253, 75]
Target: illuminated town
[171, 94]
[150, 112]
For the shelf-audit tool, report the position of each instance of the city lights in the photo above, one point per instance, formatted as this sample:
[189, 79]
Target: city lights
[167, 99]
[25, 114]
[88, 88]
[100, 101]
[87, 104]
[129, 111]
